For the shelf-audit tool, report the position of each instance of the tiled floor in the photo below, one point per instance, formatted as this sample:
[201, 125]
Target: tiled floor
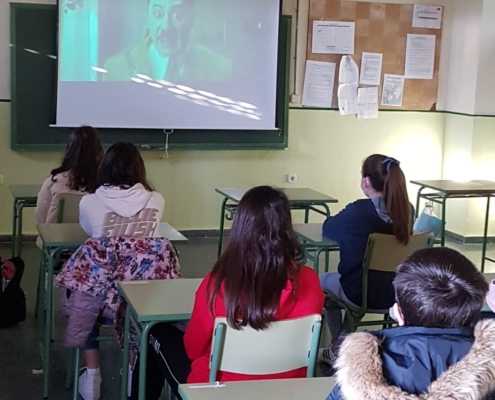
[17, 344]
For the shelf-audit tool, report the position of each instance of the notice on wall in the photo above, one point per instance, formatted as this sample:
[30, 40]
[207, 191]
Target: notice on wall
[368, 103]
[371, 68]
[427, 16]
[347, 95]
[420, 56]
[333, 37]
[393, 90]
[348, 71]
[318, 84]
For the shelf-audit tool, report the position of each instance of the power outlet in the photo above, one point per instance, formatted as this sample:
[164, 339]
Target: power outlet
[291, 178]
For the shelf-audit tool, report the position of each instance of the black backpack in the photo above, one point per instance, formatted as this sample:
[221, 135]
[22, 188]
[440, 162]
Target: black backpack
[12, 297]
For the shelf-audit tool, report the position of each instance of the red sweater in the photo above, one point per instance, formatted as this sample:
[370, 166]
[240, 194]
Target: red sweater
[198, 336]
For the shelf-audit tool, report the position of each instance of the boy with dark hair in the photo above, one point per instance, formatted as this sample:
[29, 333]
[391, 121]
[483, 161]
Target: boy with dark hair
[438, 351]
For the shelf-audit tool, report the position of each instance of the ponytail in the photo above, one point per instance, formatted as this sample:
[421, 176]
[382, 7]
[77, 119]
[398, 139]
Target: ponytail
[397, 202]
[387, 178]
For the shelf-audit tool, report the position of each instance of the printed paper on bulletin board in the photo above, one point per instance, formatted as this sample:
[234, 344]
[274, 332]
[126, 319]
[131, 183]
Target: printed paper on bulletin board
[380, 28]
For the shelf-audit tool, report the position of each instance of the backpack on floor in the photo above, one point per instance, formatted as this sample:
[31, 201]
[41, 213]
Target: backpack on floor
[12, 297]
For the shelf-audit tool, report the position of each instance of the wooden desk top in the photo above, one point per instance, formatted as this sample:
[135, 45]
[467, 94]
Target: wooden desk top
[312, 234]
[295, 195]
[25, 192]
[161, 300]
[72, 235]
[281, 389]
[461, 188]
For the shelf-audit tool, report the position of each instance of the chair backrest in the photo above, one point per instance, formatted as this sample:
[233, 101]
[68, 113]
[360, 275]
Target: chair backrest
[68, 208]
[284, 346]
[386, 253]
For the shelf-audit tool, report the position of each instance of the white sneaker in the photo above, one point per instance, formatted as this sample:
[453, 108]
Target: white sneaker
[90, 384]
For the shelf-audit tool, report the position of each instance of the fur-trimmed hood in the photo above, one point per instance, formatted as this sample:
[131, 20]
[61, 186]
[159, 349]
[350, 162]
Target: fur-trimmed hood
[360, 370]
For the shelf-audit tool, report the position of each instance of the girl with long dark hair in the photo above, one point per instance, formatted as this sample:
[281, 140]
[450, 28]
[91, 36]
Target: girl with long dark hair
[385, 210]
[77, 174]
[257, 280]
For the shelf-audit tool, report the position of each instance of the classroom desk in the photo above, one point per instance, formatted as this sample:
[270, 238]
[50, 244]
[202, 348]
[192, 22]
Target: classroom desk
[277, 389]
[57, 238]
[24, 196]
[442, 190]
[314, 243]
[299, 199]
[149, 303]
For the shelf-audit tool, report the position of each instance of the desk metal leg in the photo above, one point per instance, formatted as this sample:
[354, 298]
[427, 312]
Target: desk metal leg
[222, 224]
[306, 215]
[20, 206]
[125, 357]
[485, 233]
[143, 354]
[444, 214]
[327, 209]
[14, 229]
[418, 199]
[316, 261]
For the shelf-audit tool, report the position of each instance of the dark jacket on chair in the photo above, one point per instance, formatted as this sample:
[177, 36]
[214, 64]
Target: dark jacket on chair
[409, 363]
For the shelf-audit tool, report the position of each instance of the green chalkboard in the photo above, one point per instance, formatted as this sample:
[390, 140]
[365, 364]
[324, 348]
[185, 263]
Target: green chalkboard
[34, 87]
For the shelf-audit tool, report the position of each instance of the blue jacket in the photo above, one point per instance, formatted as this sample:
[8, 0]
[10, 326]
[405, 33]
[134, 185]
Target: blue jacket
[412, 358]
[350, 228]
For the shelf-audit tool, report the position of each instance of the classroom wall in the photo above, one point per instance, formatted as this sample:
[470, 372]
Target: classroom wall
[325, 150]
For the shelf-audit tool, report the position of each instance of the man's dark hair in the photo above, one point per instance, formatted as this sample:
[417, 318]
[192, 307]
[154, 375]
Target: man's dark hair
[439, 288]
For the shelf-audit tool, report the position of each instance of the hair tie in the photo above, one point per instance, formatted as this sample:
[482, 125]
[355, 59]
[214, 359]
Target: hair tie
[389, 161]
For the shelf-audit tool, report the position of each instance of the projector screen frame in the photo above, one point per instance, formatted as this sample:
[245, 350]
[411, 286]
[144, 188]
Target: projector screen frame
[22, 138]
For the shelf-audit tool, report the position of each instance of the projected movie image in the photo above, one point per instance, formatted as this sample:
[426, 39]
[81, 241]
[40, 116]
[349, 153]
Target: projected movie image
[151, 63]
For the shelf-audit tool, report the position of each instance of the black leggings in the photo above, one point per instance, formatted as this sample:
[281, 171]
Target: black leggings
[167, 359]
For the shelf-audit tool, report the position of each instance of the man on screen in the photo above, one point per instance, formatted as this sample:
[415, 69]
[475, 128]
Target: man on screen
[167, 52]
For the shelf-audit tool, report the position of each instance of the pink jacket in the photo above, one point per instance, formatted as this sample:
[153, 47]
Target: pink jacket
[91, 276]
[49, 196]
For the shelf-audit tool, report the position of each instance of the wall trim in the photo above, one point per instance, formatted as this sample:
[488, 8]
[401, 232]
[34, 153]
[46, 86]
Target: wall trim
[468, 239]
[398, 111]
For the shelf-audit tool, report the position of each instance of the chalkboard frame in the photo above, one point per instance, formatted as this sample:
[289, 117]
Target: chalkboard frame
[23, 138]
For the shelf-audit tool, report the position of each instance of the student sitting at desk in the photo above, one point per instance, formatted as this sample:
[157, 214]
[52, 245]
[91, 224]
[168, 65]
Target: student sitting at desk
[123, 205]
[438, 351]
[386, 210]
[257, 280]
[77, 174]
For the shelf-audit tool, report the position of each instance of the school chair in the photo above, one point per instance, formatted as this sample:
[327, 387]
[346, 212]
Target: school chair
[383, 253]
[284, 346]
[68, 208]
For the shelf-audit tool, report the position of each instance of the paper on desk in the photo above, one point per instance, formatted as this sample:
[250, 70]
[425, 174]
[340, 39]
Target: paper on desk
[368, 103]
[333, 37]
[318, 84]
[393, 90]
[427, 16]
[348, 71]
[347, 95]
[420, 56]
[371, 68]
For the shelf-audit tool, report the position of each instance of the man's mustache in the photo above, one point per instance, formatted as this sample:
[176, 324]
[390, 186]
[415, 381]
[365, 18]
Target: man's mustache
[166, 35]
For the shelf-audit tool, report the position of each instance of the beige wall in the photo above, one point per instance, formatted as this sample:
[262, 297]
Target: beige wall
[325, 150]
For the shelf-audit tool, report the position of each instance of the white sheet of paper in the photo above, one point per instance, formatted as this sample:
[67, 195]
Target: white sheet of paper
[368, 103]
[371, 68]
[318, 84]
[347, 95]
[427, 16]
[420, 56]
[333, 37]
[348, 71]
[393, 90]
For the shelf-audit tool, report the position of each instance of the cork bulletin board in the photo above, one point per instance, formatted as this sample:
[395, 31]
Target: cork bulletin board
[380, 28]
